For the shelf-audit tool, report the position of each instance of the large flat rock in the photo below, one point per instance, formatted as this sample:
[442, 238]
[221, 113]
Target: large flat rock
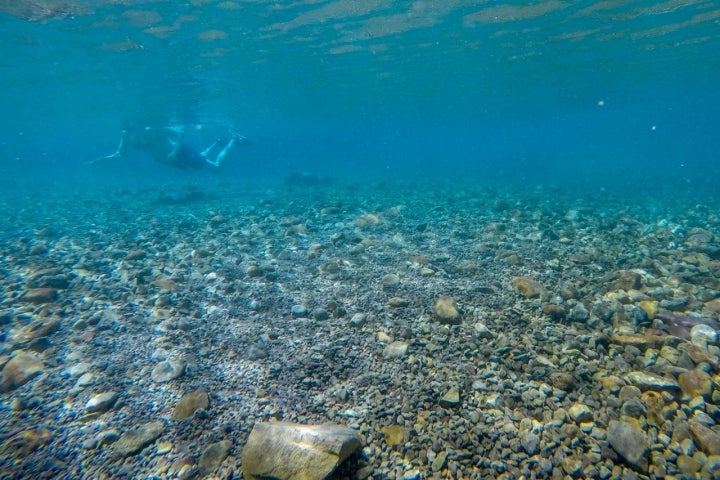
[290, 451]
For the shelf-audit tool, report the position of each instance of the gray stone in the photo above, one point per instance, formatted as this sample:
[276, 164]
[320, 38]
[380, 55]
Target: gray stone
[213, 456]
[707, 440]
[439, 461]
[580, 413]
[167, 370]
[299, 311]
[451, 398]
[290, 451]
[102, 402]
[579, 314]
[648, 381]
[530, 443]
[395, 350]
[358, 320]
[132, 441]
[630, 442]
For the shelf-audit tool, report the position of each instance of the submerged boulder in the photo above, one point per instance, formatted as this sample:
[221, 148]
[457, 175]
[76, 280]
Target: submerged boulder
[291, 451]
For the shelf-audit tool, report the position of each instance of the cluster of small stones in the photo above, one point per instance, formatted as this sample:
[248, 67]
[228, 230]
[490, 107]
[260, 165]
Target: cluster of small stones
[463, 334]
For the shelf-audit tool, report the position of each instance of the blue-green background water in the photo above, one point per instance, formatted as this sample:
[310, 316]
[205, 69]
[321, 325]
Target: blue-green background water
[615, 92]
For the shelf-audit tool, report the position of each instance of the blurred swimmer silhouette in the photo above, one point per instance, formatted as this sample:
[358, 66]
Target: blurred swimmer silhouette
[165, 145]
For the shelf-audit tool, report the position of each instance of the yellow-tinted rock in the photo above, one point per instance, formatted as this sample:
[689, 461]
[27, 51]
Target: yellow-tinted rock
[394, 434]
[190, 402]
[650, 307]
[367, 220]
[696, 383]
[713, 305]
[213, 456]
[446, 311]
[19, 370]
[528, 287]
[25, 442]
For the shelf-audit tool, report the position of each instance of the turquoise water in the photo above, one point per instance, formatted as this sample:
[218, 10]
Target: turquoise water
[543, 91]
[399, 152]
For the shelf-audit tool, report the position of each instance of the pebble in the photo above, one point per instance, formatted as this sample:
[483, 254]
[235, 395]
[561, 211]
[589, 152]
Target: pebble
[580, 413]
[629, 441]
[394, 434]
[528, 287]
[299, 311]
[395, 350]
[451, 398]
[358, 320]
[168, 370]
[391, 280]
[102, 402]
[446, 311]
[530, 443]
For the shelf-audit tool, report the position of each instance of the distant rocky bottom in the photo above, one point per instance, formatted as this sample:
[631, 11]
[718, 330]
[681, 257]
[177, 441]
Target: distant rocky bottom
[414, 331]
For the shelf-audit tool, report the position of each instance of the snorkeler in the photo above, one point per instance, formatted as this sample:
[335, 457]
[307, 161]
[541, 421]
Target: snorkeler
[165, 145]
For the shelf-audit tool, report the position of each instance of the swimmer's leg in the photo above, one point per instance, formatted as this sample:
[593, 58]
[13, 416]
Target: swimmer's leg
[221, 154]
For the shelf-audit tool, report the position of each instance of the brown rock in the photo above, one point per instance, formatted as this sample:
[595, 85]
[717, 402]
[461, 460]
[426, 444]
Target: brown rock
[41, 295]
[528, 287]
[19, 370]
[394, 434]
[134, 440]
[446, 311]
[713, 305]
[707, 440]
[190, 402]
[627, 280]
[555, 312]
[562, 380]
[696, 383]
[213, 456]
[290, 451]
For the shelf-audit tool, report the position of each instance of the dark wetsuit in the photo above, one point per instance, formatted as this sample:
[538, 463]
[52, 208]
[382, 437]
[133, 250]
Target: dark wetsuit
[187, 157]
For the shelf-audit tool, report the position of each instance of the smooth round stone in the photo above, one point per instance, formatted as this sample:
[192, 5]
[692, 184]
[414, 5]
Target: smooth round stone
[85, 380]
[390, 280]
[299, 311]
[102, 402]
[167, 370]
[395, 350]
[702, 335]
[358, 320]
